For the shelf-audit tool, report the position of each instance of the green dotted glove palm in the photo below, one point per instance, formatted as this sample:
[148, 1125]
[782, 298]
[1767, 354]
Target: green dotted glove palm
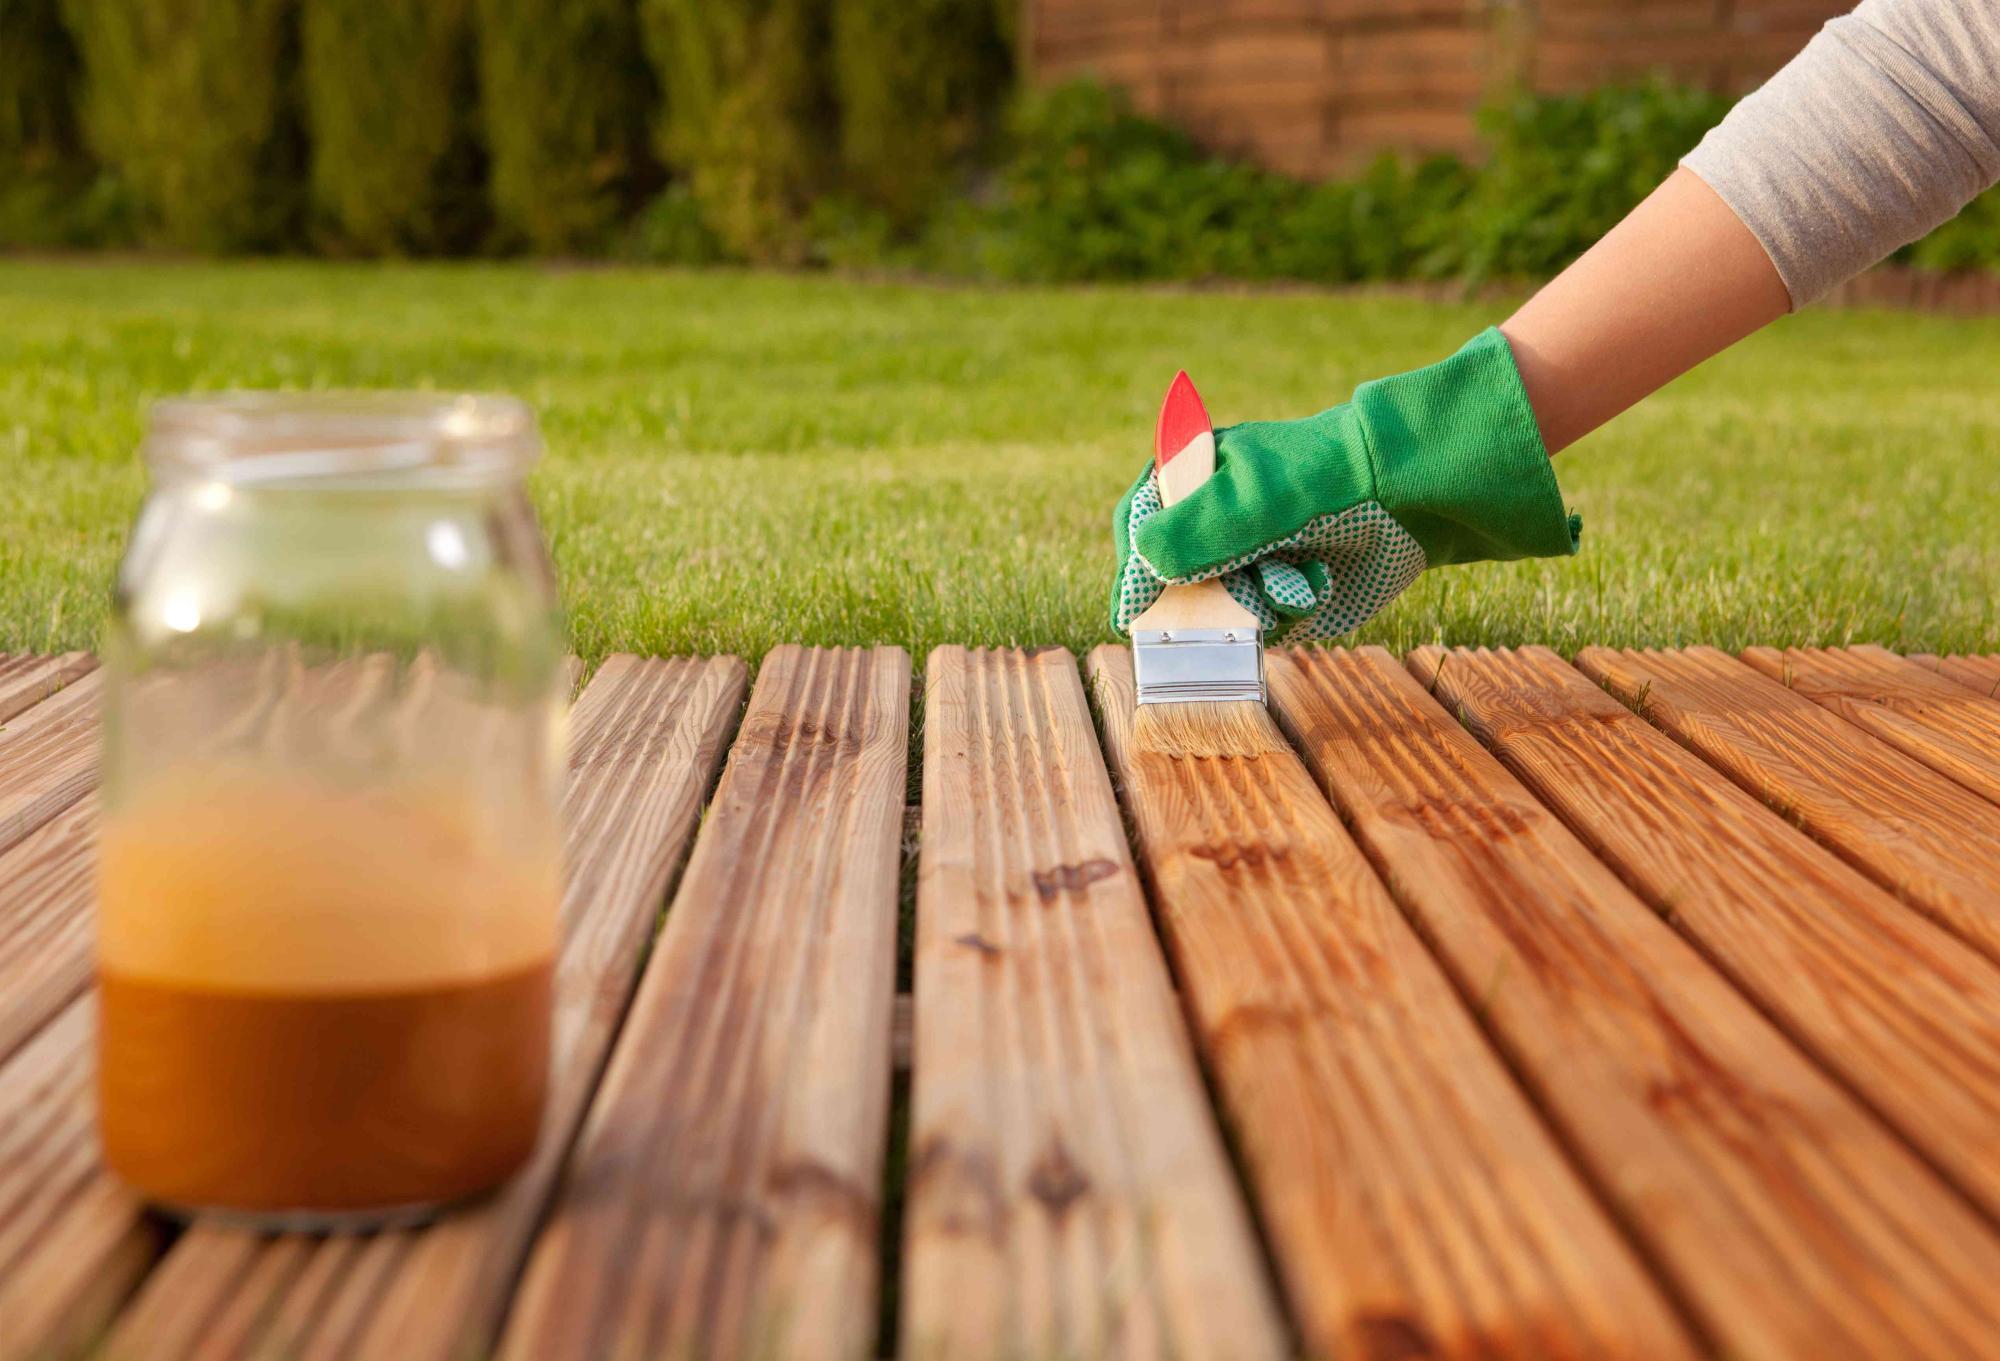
[1316, 524]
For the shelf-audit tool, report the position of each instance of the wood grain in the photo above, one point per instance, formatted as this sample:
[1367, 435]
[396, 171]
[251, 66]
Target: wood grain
[1414, 1203]
[646, 739]
[1787, 1217]
[723, 1200]
[46, 887]
[1925, 838]
[27, 679]
[1974, 672]
[1901, 1010]
[72, 1241]
[1069, 1194]
[1922, 714]
[48, 758]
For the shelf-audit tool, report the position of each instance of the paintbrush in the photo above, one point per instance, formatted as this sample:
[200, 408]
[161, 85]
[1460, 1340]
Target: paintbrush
[1197, 655]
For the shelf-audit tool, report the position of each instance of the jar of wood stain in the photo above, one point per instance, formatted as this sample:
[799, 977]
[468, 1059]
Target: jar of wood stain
[330, 854]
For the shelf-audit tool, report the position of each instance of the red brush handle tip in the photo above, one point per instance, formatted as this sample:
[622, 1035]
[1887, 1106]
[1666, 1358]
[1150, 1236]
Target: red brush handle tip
[1182, 417]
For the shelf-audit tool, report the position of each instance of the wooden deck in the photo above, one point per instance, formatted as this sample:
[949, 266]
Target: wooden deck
[1646, 1006]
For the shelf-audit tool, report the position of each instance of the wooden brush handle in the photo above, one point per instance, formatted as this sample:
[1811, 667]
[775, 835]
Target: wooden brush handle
[1183, 441]
[1184, 455]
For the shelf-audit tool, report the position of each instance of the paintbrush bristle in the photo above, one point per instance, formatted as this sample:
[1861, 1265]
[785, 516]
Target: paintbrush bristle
[1205, 729]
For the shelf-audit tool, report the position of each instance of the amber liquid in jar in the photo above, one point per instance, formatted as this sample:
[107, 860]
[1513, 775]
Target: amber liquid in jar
[315, 1001]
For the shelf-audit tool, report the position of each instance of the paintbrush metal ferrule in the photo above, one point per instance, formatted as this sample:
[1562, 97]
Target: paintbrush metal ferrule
[1188, 665]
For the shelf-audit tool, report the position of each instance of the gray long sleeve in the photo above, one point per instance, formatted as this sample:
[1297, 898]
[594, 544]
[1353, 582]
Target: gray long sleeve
[1884, 126]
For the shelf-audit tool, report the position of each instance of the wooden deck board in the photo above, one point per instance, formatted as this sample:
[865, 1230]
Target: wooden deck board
[724, 1196]
[1069, 1193]
[1922, 714]
[1789, 1219]
[48, 758]
[46, 887]
[647, 737]
[27, 679]
[1926, 838]
[1903, 1011]
[1414, 1202]
[1973, 672]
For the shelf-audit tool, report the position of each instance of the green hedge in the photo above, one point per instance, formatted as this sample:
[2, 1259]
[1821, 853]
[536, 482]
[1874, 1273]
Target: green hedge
[916, 81]
[748, 115]
[390, 105]
[184, 101]
[567, 96]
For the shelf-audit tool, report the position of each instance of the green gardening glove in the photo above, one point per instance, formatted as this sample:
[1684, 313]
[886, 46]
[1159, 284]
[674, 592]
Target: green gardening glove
[1316, 524]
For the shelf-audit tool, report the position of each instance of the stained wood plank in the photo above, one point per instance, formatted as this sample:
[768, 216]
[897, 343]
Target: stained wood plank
[1787, 1217]
[1414, 1202]
[1922, 714]
[46, 883]
[1069, 1194]
[1927, 839]
[1900, 1009]
[1974, 672]
[27, 679]
[48, 758]
[646, 738]
[724, 1196]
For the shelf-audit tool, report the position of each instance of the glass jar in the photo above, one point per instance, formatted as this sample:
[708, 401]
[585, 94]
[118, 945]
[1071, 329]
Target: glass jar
[330, 854]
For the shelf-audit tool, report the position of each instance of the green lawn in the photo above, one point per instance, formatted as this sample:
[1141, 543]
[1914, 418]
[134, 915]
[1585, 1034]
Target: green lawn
[737, 460]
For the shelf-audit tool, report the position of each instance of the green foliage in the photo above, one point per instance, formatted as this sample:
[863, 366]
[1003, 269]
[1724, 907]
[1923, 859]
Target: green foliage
[748, 114]
[671, 231]
[38, 68]
[1563, 169]
[916, 82]
[567, 95]
[1969, 241]
[390, 96]
[184, 100]
[1091, 190]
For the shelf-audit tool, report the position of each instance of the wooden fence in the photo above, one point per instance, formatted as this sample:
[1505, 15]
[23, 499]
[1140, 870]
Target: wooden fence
[1313, 87]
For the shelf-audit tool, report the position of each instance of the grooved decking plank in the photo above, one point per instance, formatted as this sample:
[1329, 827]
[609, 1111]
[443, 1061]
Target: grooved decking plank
[1906, 1013]
[1069, 1194]
[646, 739]
[72, 1241]
[1922, 714]
[1790, 1221]
[27, 679]
[46, 887]
[1930, 841]
[48, 758]
[724, 1196]
[1974, 672]
[1414, 1202]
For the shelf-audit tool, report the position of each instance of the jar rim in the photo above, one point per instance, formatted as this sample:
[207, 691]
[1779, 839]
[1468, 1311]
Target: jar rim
[348, 437]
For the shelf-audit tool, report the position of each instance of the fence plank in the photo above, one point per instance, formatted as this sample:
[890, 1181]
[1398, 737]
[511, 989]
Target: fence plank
[1791, 1222]
[48, 758]
[1901, 1009]
[646, 738]
[1929, 841]
[724, 1196]
[27, 679]
[1069, 1194]
[46, 886]
[1920, 713]
[1415, 1204]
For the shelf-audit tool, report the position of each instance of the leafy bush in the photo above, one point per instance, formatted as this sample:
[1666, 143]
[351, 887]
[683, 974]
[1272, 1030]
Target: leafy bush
[916, 82]
[1564, 168]
[748, 115]
[389, 93]
[1969, 241]
[566, 94]
[184, 100]
[671, 231]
